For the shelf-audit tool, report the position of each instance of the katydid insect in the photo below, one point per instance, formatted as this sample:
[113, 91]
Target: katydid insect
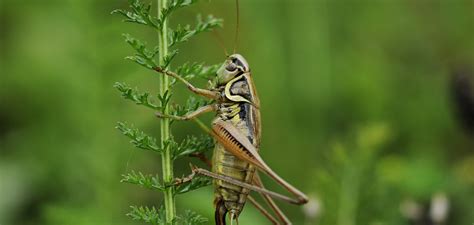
[237, 131]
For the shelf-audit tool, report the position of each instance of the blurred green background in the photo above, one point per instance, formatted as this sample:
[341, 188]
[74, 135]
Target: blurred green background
[358, 108]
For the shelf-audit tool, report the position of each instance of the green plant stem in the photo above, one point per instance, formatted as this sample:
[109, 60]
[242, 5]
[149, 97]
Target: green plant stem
[167, 164]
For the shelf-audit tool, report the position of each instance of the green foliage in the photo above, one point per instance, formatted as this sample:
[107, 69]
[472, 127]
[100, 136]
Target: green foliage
[191, 218]
[140, 14]
[172, 6]
[195, 183]
[139, 138]
[142, 56]
[192, 103]
[184, 33]
[148, 215]
[134, 95]
[168, 58]
[155, 216]
[192, 144]
[147, 181]
[164, 100]
[349, 173]
[192, 70]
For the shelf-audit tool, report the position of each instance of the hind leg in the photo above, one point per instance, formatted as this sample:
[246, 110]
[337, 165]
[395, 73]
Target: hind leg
[262, 210]
[269, 200]
[233, 181]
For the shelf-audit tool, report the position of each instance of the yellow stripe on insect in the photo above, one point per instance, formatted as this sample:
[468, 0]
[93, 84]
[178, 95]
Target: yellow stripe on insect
[234, 98]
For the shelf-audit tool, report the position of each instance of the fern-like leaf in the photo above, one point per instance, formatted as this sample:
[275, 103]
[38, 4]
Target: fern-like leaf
[191, 218]
[140, 14]
[172, 6]
[134, 95]
[184, 33]
[139, 138]
[148, 215]
[195, 183]
[146, 181]
[192, 104]
[142, 56]
[193, 144]
[192, 70]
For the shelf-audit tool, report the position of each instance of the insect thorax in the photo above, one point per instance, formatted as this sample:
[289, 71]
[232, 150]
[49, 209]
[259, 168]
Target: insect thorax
[236, 107]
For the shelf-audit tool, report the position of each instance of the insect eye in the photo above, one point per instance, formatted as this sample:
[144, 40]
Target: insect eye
[231, 67]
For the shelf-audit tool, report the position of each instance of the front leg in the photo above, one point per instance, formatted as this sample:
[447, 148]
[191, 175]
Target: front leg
[190, 115]
[199, 91]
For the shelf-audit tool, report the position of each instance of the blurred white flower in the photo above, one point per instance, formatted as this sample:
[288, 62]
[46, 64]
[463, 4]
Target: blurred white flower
[439, 208]
[312, 210]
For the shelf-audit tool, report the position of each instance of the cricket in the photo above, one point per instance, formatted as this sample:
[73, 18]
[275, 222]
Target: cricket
[236, 163]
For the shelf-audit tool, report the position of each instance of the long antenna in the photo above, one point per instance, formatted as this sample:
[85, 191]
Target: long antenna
[237, 25]
[219, 39]
[216, 36]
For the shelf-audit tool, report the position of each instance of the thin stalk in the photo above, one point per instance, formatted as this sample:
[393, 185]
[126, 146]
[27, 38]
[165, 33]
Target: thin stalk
[349, 196]
[166, 162]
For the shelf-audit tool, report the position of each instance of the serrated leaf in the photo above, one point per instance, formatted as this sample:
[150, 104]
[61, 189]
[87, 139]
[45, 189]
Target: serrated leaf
[180, 34]
[195, 183]
[191, 218]
[142, 56]
[168, 58]
[208, 23]
[193, 144]
[171, 7]
[140, 14]
[147, 181]
[184, 33]
[148, 215]
[139, 138]
[140, 98]
[164, 99]
[192, 104]
[192, 70]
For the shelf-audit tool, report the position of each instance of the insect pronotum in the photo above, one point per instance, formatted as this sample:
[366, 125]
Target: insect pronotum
[237, 131]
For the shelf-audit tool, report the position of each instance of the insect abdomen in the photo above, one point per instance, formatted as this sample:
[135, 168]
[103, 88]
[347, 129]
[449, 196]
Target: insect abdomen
[226, 164]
